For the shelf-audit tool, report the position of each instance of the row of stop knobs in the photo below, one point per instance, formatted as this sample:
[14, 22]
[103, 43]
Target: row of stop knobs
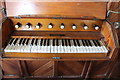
[50, 26]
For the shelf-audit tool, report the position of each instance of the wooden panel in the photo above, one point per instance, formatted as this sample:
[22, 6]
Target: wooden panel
[40, 68]
[11, 69]
[99, 69]
[70, 9]
[114, 17]
[114, 6]
[116, 68]
[56, 24]
[71, 68]
[6, 31]
[111, 39]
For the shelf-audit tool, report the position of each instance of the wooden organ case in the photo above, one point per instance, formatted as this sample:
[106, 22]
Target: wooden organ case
[57, 40]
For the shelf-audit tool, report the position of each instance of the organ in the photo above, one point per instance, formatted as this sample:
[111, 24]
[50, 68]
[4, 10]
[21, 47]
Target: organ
[44, 46]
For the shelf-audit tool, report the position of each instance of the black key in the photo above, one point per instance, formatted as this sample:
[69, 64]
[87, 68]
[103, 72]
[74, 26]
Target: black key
[32, 41]
[15, 41]
[48, 42]
[66, 44]
[95, 43]
[27, 41]
[44, 42]
[36, 42]
[69, 42]
[89, 42]
[74, 43]
[78, 42]
[53, 42]
[57, 43]
[20, 42]
[98, 43]
[23, 42]
[62, 42]
[41, 42]
[83, 43]
[11, 40]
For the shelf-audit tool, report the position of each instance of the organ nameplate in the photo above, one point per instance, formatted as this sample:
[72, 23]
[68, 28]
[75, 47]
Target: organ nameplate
[57, 34]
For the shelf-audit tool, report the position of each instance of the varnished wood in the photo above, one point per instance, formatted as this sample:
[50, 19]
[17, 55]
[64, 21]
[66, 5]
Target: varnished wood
[70, 68]
[107, 33]
[114, 17]
[68, 9]
[7, 30]
[50, 55]
[24, 68]
[56, 24]
[11, 68]
[64, 59]
[40, 68]
[111, 37]
[88, 69]
[67, 35]
[55, 68]
[72, 65]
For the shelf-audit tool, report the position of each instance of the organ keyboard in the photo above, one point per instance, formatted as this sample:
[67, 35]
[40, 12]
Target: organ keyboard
[55, 46]
[63, 38]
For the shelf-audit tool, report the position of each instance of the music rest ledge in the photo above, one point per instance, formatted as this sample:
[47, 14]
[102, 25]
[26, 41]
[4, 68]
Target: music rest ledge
[59, 39]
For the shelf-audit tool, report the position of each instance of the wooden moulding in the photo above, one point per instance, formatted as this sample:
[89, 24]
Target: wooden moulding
[50, 55]
[110, 36]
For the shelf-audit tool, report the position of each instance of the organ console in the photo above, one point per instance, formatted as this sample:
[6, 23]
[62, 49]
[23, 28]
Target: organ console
[62, 46]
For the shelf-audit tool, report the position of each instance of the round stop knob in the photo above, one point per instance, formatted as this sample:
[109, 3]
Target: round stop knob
[62, 26]
[28, 25]
[50, 26]
[74, 26]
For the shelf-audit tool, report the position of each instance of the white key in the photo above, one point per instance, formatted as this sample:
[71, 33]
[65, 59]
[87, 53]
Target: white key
[51, 46]
[68, 47]
[94, 49]
[72, 47]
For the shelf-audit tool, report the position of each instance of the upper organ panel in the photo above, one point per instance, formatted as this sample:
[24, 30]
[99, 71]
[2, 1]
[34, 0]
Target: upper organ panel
[63, 9]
